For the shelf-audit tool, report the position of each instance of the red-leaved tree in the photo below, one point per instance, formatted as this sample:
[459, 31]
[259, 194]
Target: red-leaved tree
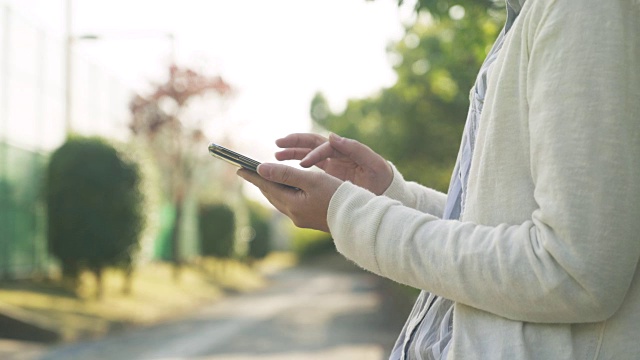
[165, 121]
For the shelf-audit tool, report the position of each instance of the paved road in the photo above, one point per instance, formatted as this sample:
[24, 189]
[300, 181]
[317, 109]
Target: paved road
[309, 312]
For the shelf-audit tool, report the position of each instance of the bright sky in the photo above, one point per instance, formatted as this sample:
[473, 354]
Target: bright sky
[276, 53]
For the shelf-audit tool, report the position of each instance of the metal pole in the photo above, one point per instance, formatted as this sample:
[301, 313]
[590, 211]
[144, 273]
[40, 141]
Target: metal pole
[172, 55]
[68, 68]
[38, 240]
[4, 81]
[41, 92]
[4, 126]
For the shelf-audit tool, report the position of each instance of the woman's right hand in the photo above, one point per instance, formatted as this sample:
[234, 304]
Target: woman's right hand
[346, 159]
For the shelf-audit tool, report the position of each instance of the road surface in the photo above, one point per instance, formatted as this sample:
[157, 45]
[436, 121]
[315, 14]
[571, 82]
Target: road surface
[308, 312]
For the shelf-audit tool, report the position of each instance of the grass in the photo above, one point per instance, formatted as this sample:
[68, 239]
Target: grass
[155, 295]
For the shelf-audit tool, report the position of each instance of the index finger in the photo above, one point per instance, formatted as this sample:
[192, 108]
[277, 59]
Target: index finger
[319, 154]
[301, 140]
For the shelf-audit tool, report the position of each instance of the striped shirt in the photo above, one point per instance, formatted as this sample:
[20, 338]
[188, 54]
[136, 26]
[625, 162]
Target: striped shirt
[427, 333]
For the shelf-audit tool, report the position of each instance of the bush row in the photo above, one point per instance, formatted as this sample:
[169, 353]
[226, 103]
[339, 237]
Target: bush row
[96, 211]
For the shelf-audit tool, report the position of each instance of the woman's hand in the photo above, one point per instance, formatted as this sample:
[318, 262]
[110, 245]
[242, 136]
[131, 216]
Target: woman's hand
[305, 201]
[346, 159]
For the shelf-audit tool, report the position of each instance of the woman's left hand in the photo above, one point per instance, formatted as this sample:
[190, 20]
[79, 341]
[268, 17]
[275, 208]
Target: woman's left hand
[305, 201]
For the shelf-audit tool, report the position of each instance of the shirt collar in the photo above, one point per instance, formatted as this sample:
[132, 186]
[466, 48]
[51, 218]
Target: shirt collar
[513, 10]
[515, 5]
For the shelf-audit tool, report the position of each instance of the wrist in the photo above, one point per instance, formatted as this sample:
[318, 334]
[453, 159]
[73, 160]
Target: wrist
[396, 187]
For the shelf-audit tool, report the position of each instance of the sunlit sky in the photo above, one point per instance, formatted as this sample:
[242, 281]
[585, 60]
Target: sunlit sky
[275, 53]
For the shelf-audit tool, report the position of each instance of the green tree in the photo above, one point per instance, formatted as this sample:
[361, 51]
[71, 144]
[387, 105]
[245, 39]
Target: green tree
[417, 123]
[441, 8]
[94, 208]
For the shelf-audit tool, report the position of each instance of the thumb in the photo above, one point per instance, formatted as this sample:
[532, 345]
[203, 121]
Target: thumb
[284, 174]
[354, 150]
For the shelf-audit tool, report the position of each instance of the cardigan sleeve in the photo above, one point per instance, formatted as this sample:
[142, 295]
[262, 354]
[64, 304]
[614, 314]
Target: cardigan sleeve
[414, 195]
[575, 258]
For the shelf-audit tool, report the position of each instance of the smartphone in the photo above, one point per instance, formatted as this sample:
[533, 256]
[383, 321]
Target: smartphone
[233, 157]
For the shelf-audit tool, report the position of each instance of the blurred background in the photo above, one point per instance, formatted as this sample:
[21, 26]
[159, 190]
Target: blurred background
[112, 213]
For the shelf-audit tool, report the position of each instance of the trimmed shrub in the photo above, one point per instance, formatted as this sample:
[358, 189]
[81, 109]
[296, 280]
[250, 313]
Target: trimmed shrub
[260, 243]
[94, 207]
[217, 225]
[308, 243]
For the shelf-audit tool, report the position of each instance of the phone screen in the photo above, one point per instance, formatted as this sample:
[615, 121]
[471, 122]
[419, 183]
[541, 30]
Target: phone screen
[233, 157]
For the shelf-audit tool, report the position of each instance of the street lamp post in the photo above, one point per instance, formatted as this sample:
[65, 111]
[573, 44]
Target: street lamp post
[69, 44]
[128, 35]
[68, 78]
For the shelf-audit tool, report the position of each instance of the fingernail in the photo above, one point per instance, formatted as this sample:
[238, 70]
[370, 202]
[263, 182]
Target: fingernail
[264, 170]
[335, 137]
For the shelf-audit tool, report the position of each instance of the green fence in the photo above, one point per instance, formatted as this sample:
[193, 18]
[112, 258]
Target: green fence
[22, 215]
[34, 121]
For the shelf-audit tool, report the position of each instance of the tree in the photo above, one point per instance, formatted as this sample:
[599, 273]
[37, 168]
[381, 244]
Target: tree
[165, 121]
[94, 208]
[441, 8]
[417, 123]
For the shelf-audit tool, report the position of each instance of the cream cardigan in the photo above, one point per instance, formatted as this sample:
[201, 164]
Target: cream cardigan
[544, 263]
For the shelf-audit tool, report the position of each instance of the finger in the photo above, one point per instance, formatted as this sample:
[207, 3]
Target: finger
[271, 191]
[361, 154]
[252, 177]
[292, 154]
[286, 175]
[319, 154]
[301, 140]
[262, 183]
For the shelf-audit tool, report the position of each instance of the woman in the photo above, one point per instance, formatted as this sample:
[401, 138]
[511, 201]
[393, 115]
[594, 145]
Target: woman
[536, 244]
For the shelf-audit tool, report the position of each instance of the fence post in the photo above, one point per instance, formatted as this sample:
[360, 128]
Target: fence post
[4, 120]
[38, 240]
